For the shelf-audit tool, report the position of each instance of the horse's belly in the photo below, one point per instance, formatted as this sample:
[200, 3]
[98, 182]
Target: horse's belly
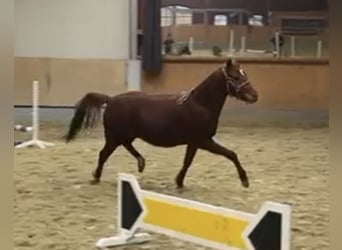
[163, 137]
[163, 143]
[170, 136]
[170, 125]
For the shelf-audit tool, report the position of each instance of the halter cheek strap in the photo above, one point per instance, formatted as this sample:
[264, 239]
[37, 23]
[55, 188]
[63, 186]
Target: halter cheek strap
[231, 83]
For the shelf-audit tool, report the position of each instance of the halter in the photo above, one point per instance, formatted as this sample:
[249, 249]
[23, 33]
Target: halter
[231, 83]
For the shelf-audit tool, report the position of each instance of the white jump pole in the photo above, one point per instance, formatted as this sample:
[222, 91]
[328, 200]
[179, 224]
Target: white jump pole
[293, 46]
[35, 123]
[319, 49]
[243, 44]
[231, 42]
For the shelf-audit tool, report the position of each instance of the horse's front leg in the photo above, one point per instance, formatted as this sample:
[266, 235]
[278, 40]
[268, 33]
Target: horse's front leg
[189, 156]
[215, 148]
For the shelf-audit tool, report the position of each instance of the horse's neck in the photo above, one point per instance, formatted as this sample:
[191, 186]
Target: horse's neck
[211, 95]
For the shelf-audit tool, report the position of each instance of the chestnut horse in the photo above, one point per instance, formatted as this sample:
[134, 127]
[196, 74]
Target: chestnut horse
[166, 120]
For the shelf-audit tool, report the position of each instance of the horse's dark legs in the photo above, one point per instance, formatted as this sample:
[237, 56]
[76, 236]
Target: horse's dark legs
[189, 156]
[216, 148]
[106, 151]
[137, 155]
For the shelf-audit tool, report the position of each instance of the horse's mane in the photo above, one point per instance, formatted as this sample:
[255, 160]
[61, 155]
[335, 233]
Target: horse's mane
[183, 96]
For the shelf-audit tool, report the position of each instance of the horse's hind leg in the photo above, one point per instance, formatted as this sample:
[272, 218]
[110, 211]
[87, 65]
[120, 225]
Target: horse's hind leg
[141, 161]
[189, 156]
[106, 151]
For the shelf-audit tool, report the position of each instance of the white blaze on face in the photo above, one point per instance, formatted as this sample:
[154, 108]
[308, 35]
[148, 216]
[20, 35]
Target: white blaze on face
[242, 72]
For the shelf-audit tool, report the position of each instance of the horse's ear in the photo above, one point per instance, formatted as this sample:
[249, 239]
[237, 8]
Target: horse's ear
[229, 63]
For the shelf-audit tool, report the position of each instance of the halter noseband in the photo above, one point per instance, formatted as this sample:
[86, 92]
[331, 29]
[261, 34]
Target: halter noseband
[231, 83]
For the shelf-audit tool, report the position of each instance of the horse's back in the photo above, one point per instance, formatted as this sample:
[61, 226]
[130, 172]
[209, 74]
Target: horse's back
[138, 100]
[140, 95]
[136, 106]
[159, 119]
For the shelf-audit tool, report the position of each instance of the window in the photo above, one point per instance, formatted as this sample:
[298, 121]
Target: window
[303, 24]
[183, 15]
[256, 20]
[220, 20]
[175, 15]
[166, 17]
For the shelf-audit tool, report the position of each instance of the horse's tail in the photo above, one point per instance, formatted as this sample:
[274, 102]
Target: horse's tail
[87, 114]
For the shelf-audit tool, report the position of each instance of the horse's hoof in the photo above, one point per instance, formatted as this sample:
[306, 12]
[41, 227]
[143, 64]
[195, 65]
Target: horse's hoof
[95, 179]
[179, 184]
[94, 182]
[245, 183]
[141, 165]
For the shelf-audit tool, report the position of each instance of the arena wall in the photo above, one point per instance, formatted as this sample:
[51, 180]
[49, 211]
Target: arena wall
[70, 46]
[282, 84]
[64, 81]
[72, 28]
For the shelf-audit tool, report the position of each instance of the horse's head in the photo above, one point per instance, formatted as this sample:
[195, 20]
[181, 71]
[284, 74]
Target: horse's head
[238, 84]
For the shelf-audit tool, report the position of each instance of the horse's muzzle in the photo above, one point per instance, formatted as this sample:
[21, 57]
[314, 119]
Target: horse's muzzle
[250, 98]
